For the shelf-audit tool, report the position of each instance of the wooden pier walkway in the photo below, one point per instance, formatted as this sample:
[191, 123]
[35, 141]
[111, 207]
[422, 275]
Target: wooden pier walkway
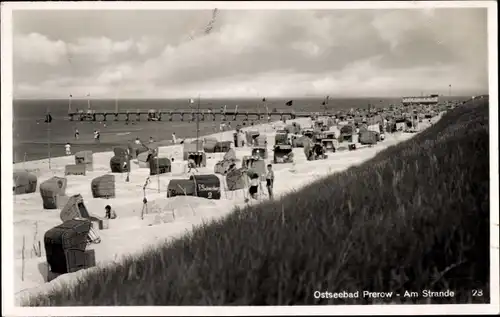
[184, 115]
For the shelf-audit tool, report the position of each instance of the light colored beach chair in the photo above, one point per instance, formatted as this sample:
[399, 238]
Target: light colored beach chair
[75, 169]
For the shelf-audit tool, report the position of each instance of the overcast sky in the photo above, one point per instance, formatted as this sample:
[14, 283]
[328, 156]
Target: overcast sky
[166, 53]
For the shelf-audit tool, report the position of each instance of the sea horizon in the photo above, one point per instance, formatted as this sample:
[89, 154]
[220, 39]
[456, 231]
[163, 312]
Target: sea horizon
[31, 136]
[248, 97]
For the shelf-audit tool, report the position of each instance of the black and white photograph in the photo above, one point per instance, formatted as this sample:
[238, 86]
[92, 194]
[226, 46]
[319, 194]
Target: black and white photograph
[249, 158]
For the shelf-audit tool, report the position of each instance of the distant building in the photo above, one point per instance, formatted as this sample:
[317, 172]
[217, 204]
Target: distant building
[426, 100]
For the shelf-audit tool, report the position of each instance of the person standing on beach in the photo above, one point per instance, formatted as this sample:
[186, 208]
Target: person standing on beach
[151, 139]
[68, 148]
[174, 138]
[98, 136]
[95, 135]
[191, 165]
[270, 180]
[137, 141]
[254, 186]
[77, 134]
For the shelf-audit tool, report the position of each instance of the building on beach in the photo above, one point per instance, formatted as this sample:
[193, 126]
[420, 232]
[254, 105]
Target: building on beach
[423, 100]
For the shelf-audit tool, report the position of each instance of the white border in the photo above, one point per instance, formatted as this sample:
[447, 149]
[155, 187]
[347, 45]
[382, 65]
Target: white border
[8, 307]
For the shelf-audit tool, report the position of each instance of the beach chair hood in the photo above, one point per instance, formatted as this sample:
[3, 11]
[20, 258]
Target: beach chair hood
[51, 190]
[74, 208]
[24, 182]
[368, 137]
[207, 186]
[209, 144]
[236, 179]
[180, 187]
[230, 155]
[103, 186]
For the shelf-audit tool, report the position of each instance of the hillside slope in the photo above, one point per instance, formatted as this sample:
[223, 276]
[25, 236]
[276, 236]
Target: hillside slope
[415, 217]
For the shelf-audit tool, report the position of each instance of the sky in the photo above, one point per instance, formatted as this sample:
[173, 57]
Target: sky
[249, 53]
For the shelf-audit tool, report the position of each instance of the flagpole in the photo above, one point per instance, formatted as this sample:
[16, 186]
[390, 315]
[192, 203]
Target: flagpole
[157, 155]
[48, 135]
[198, 124]
[69, 103]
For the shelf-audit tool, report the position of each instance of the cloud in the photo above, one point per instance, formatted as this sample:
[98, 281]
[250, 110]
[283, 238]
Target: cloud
[258, 52]
[37, 48]
[102, 49]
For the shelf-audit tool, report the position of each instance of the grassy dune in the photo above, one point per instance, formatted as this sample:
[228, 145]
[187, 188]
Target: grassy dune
[415, 217]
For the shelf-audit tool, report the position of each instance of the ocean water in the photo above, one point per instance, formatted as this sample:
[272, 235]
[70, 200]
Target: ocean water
[31, 135]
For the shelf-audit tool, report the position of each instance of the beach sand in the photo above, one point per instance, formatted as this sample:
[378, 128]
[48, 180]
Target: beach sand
[128, 234]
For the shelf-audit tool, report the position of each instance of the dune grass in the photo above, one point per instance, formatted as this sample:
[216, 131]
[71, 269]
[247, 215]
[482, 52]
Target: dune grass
[415, 217]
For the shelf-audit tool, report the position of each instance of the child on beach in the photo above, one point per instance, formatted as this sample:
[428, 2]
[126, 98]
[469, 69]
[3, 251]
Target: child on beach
[77, 134]
[137, 141]
[110, 213]
[254, 186]
[68, 148]
[151, 139]
[270, 180]
[191, 164]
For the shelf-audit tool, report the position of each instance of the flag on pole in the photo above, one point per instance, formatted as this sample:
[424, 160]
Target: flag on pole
[289, 103]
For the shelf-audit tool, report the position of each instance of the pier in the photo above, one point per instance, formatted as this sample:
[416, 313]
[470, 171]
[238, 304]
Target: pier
[183, 115]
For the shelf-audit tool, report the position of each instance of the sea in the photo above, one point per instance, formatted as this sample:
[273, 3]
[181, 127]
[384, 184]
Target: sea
[33, 139]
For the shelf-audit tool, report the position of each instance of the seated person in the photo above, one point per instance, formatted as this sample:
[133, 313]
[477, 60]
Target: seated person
[110, 213]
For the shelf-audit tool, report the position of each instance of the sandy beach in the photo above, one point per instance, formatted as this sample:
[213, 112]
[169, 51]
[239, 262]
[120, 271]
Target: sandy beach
[128, 234]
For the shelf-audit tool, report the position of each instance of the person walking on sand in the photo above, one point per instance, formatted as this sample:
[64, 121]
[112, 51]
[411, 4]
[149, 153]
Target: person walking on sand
[77, 134]
[68, 148]
[95, 135]
[174, 138]
[270, 180]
